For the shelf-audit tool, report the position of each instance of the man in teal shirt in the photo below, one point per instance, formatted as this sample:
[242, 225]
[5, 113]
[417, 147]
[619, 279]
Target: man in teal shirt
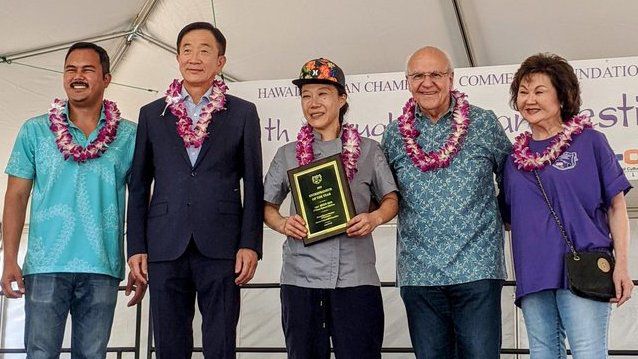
[444, 153]
[75, 160]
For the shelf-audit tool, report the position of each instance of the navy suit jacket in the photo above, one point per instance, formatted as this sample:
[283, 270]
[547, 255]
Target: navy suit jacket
[201, 201]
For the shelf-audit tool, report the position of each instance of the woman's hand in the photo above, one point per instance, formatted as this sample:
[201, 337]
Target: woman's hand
[363, 224]
[293, 226]
[623, 284]
[619, 226]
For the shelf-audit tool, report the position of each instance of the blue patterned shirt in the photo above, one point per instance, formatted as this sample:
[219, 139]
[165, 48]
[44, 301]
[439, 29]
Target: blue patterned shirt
[77, 209]
[449, 227]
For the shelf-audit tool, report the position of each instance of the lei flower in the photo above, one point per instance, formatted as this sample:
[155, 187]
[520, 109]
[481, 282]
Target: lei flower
[350, 152]
[174, 102]
[443, 157]
[63, 139]
[527, 160]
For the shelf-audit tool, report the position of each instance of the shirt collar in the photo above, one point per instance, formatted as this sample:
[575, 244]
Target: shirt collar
[187, 97]
[317, 135]
[71, 124]
[421, 116]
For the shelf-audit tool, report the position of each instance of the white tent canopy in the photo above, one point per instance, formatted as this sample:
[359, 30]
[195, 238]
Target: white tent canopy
[271, 39]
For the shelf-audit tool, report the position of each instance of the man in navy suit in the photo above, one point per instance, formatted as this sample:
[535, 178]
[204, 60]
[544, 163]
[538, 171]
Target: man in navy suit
[196, 144]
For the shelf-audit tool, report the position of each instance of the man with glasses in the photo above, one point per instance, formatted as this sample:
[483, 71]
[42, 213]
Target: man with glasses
[444, 153]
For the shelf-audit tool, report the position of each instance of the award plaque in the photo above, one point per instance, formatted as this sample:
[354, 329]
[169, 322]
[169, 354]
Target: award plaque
[322, 197]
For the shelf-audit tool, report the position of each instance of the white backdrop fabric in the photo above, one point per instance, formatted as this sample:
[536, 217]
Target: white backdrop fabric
[609, 95]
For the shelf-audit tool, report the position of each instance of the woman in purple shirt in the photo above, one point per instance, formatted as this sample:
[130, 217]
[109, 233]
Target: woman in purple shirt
[586, 187]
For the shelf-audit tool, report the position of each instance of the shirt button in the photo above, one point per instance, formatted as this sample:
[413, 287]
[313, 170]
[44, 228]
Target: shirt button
[188, 204]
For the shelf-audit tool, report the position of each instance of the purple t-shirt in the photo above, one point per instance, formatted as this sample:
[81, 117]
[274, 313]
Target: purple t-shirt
[580, 185]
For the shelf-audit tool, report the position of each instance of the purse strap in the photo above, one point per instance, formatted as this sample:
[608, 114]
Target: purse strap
[570, 244]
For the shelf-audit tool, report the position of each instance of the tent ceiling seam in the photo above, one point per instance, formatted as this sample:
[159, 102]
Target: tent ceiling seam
[52, 48]
[466, 40]
[212, 7]
[223, 75]
[61, 72]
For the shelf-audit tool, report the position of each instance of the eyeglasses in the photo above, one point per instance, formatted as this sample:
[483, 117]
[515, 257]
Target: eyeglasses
[421, 76]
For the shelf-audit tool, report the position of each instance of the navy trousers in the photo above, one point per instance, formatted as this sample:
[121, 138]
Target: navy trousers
[352, 317]
[174, 285]
[459, 321]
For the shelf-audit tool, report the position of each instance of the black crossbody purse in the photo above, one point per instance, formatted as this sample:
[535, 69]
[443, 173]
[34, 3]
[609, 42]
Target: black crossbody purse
[589, 273]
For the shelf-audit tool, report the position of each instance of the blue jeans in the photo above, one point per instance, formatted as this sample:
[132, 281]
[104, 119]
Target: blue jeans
[50, 297]
[455, 321]
[551, 315]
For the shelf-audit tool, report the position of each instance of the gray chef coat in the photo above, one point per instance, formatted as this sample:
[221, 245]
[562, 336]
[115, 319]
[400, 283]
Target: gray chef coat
[340, 261]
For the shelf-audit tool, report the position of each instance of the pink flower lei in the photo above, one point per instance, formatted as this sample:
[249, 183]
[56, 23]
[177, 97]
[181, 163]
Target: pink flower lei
[350, 152]
[527, 160]
[63, 139]
[174, 101]
[443, 157]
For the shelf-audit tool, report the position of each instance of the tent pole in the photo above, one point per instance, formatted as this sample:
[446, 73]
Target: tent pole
[139, 21]
[224, 75]
[212, 7]
[466, 41]
[62, 46]
[157, 42]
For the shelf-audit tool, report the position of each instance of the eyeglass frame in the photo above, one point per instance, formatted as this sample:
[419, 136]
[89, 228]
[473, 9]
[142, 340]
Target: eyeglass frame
[434, 76]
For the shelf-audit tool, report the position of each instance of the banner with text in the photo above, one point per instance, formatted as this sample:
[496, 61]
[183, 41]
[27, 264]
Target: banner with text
[609, 93]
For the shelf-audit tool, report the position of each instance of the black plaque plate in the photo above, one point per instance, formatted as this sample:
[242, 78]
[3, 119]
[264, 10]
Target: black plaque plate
[322, 197]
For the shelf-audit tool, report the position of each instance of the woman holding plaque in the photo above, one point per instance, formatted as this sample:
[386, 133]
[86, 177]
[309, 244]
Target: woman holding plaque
[565, 198]
[331, 288]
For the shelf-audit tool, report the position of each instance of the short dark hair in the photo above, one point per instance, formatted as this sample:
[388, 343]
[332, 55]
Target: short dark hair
[342, 111]
[560, 73]
[201, 25]
[104, 57]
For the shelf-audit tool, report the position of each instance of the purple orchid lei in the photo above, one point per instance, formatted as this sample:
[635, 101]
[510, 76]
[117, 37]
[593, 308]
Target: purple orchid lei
[174, 101]
[60, 127]
[443, 157]
[527, 160]
[350, 152]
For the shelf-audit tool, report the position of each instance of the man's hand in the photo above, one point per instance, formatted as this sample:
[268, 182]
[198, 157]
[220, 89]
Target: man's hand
[245, 265]
[137, 286]
[15, 209]
[12, 273]
[139, 267]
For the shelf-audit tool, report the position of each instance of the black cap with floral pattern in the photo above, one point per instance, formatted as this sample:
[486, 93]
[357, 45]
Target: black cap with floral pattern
[321, 71]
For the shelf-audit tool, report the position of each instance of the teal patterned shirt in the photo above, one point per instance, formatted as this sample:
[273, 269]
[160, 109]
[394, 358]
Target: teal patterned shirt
[449, 227]
[77, 209]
